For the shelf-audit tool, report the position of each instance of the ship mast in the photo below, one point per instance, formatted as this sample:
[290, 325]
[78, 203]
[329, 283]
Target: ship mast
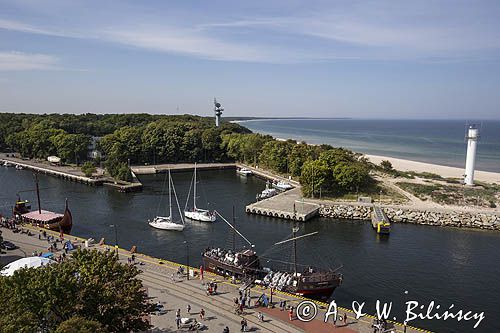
[38, 194]
[294, 239]
[170, 194]
[194, 194]
[234, 233]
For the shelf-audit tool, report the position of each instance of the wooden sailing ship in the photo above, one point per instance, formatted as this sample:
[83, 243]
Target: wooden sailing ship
[245, 265]
[42, 218]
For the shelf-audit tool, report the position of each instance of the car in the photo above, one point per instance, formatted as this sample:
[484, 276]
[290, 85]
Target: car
[8, 245]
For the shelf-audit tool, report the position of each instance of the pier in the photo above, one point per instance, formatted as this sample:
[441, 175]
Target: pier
[176, 293]
[72, 173]
[380, 221]
[175, 167]
[289, 205]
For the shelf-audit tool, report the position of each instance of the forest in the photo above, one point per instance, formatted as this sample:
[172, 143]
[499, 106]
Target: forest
[127, 139]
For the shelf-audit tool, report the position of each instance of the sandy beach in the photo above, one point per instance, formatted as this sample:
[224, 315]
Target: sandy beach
[444, 171]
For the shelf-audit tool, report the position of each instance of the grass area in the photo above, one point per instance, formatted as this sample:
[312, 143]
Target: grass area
[483, 196]
[377, 192]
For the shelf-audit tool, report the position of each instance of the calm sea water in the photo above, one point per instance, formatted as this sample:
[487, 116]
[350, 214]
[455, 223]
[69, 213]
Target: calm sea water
[444, 265]
[433, 141]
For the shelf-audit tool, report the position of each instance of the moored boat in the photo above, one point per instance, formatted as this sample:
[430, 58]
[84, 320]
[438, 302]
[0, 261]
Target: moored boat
[267, 192]
[166, 222]
[244, 172]
[245, 265]
[282, 186]
[195, 213]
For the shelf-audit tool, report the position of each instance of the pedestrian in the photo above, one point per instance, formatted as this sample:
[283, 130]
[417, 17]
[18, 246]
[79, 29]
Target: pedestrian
[202, 314]
[284, 304]
[243, 301]
[249, 302]
[290, 313]
[240, 294]
[173, 280]
[245, 324]
[335, 320]
[281, 305]
[226, 330]
[345, 319]
[242, 323]
[188, 308]
[201, 272]
[178, 320]
[178, 313]
[261, 317]
[405, 324]
[215, 288]
[133, 258]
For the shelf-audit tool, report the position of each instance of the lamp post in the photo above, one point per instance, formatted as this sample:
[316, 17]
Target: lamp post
[116, 237]
[187, 258]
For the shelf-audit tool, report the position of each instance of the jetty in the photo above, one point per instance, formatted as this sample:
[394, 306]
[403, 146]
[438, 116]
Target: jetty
[177, 167]
[71, 173]
[380, 221]
[289, 205]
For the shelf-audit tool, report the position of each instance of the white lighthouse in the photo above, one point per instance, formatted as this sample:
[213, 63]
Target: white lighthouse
[470, 162]
[218, 112]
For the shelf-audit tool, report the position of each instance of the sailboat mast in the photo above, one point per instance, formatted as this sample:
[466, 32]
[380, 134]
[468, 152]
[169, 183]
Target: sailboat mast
[294, 231]
[38, 194]
[194, 196]
[234, 232]
[170, 194]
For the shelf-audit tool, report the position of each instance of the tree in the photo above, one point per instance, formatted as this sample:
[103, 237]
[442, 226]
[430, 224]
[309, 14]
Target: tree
[71, 147]
[348, 176]
[88, 168]
[386, 165]
[315, 176]
[80, 325]
[274, 155]
[91, 284]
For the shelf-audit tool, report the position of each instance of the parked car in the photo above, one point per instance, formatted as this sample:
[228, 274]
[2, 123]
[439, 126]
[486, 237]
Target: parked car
[8, 245]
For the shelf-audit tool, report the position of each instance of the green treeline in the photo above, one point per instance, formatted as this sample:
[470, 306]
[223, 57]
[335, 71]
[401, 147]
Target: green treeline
[153, 139]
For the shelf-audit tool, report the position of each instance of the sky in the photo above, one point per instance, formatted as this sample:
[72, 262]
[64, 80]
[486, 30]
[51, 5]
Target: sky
[287, 58]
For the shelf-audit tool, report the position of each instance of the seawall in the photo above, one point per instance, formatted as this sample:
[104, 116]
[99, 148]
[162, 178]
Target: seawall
[459, 219]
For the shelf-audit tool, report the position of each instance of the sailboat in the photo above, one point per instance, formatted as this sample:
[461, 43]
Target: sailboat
[166, 222]
[198, 214]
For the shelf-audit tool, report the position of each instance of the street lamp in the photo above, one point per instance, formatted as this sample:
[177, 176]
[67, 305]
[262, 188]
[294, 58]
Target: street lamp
[187, 258]
[116, 237]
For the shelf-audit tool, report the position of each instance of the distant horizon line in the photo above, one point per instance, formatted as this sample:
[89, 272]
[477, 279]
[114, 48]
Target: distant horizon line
[255, 118]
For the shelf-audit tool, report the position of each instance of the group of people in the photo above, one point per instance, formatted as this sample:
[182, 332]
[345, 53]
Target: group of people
[211, 288]
[243, 300]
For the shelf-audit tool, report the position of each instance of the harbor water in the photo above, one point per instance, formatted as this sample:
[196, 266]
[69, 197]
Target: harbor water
[422, 263]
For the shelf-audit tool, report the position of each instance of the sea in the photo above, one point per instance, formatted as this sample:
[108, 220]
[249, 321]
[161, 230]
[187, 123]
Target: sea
[432, 141]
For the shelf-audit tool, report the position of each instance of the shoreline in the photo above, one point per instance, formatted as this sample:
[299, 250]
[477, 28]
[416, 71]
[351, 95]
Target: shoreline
[442, 170]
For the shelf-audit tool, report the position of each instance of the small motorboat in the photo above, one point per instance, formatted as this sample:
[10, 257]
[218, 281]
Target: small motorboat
[244, 172]
[267, 193]
[19, 167]
[282, 186]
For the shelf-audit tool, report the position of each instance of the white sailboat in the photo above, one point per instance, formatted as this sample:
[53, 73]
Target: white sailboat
[166, 222]
[198, 214]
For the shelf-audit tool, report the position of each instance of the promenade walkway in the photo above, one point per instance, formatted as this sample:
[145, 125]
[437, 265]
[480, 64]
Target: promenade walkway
[177, 293]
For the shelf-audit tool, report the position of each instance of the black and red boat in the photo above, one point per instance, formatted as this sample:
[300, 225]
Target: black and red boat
[245, 265]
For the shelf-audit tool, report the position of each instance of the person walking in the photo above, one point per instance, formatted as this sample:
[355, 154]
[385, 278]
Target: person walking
[225, 330]
[345, 319]
[188, 308]
[178, 319]
[202, 314]
[405, 324]
[242, 323]
[261, 317]
[215, 288]
[290, 313]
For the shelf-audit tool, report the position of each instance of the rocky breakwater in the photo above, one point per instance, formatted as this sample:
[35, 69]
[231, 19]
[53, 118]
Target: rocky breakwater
[459, 219]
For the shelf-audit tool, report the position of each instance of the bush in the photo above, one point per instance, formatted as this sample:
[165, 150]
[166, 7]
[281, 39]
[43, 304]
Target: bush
[88, 169]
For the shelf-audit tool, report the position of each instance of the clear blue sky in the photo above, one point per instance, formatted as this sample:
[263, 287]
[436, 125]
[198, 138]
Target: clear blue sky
[404, 59]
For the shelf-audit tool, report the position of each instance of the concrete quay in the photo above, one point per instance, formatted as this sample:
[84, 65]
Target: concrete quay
[288, 205]
[176, 167]
[178, 292]
[72, 174]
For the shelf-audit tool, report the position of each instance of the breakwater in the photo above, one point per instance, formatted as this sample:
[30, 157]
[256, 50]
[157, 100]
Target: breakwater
[443, 218]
